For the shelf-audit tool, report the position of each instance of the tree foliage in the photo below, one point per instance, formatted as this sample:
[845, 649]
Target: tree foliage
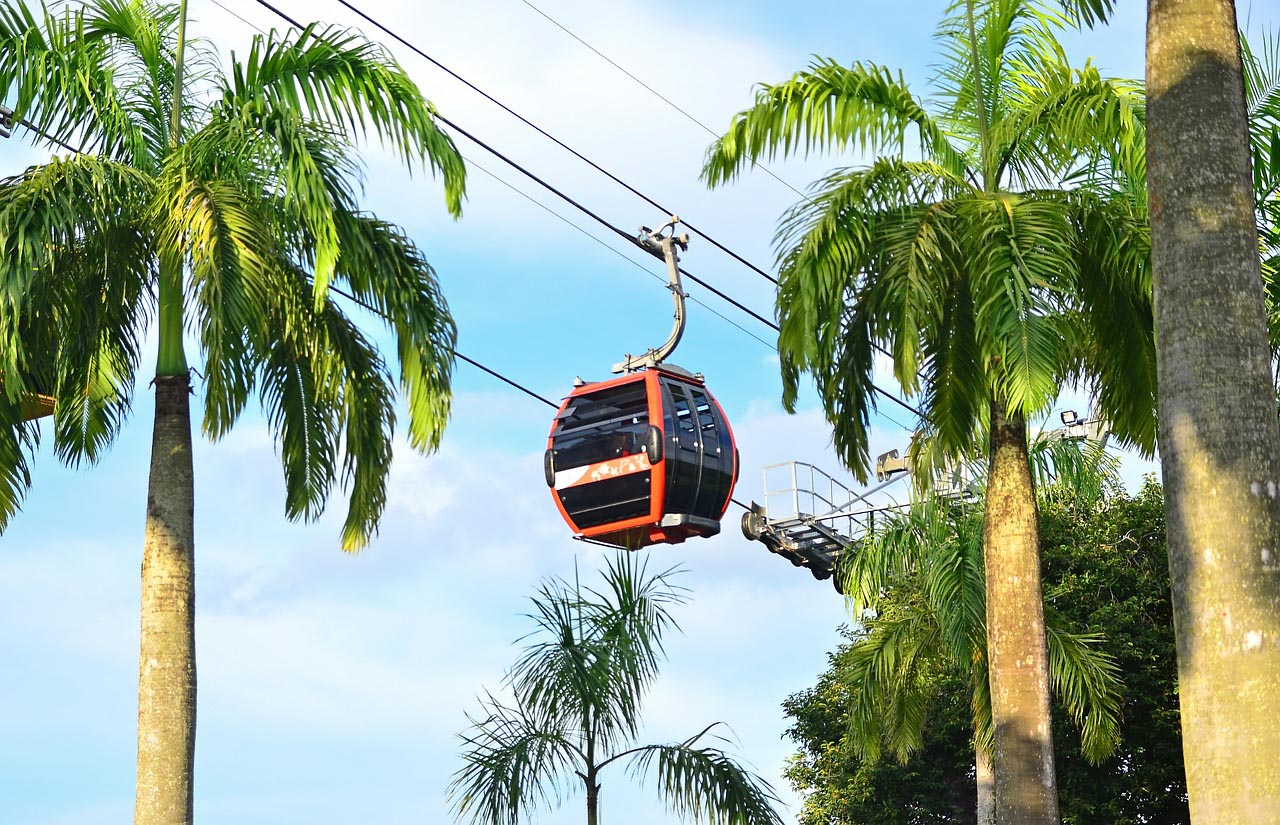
[575, 704]
[996, 245]
[251, 213]
[1105, 572]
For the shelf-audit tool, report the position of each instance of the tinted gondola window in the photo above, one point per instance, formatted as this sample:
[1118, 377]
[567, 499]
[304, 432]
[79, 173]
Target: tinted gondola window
[717, 459]
[597, 427]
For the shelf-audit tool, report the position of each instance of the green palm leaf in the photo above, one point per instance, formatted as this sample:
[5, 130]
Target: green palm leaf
[829, 106]
[704, 784]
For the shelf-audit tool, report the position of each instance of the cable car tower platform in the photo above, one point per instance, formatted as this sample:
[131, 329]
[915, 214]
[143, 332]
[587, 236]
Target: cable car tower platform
[810, 519]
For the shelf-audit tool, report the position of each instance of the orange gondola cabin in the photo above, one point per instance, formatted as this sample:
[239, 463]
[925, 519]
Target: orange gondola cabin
[642, 459]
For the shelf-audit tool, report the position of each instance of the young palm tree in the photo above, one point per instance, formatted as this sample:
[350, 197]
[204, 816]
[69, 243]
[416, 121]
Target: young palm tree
[1219, 437]
[988, 284]
[920, 579]
[228, 220]
[577, 692]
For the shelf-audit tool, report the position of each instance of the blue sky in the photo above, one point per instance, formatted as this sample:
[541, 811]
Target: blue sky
[331, 686]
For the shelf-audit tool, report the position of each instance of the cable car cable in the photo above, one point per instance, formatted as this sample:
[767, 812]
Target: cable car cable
[621, 233]
[611, 249]
[566, 198]
[539, 129]
[670, 103]
[575, 153]
[457, 354]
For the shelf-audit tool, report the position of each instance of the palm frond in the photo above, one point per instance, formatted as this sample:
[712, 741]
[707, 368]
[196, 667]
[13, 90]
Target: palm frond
[74, 282]
[1262, 96]
[328, 394]
[229, 255]
[706, 785]
[1113, 248]
[1087, 681]
[1061, 117]
[829, 106]
[337, 77]
[1084, 468]
[18, 442]
[1022, 256]
[859, 261]
[511, 763]
[596, 652]
[63, 78]
[388, 273]
[1088, 12]
[886, 673]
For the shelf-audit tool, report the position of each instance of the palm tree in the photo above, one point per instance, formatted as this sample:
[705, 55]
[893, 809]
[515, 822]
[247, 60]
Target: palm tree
[229, 220]
[919, 582]
[988, 284]
[575, 711]
[1219, 437]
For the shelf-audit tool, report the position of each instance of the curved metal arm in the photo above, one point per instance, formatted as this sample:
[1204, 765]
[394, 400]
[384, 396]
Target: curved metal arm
[664, 246]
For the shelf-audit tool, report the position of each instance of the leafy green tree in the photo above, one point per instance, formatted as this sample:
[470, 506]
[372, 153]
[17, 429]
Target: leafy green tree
[1105, 571]
[988, 283]
[921, 577]
[575, 711]
[227, 220]
[1219, 435]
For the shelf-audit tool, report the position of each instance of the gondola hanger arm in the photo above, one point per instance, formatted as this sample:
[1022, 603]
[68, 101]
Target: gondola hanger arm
[663, 245]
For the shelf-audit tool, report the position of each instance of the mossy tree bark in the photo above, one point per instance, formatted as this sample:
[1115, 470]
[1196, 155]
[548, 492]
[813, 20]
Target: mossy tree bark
[1219, 439]
[1018, 659]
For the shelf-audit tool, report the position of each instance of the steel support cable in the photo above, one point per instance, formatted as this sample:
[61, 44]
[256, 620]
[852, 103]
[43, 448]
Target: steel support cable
[530, 198]
[557, 141]
[673, 105]
[621, 233]
[517, 385]
[612, 249]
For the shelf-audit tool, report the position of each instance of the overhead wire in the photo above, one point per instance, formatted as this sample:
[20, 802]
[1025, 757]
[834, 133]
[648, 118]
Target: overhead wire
[511, 382]
[621, 233]
[453, 125]
[579, 155]
[471, 162]
[683, 112]
[660, 96]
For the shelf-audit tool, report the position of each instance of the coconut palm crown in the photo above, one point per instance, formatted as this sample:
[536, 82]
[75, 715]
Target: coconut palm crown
[577, 693]
[250, 211]
[995, 247]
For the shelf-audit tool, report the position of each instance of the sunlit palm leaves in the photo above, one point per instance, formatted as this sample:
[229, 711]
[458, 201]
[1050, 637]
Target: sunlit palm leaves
[258, 206]
[577, 690]
[918, 584]
[970, 266]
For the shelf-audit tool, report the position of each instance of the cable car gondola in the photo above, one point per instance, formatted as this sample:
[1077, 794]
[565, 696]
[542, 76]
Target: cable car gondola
[647, 457]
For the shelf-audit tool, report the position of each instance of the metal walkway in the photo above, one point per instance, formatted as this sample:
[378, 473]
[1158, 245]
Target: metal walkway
[810, 519]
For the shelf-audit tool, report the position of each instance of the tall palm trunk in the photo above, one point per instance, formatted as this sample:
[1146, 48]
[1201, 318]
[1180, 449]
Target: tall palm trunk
[593, 799]
[1219, 440]
[167, 658]
[986, 782]
[1018, 660]
[167, 666]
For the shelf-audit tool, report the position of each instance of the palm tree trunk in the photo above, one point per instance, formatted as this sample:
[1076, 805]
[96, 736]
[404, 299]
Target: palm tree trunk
[986, 786]
[1022, 754]
[1219, 440]
[167, 665]
[593, 798]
